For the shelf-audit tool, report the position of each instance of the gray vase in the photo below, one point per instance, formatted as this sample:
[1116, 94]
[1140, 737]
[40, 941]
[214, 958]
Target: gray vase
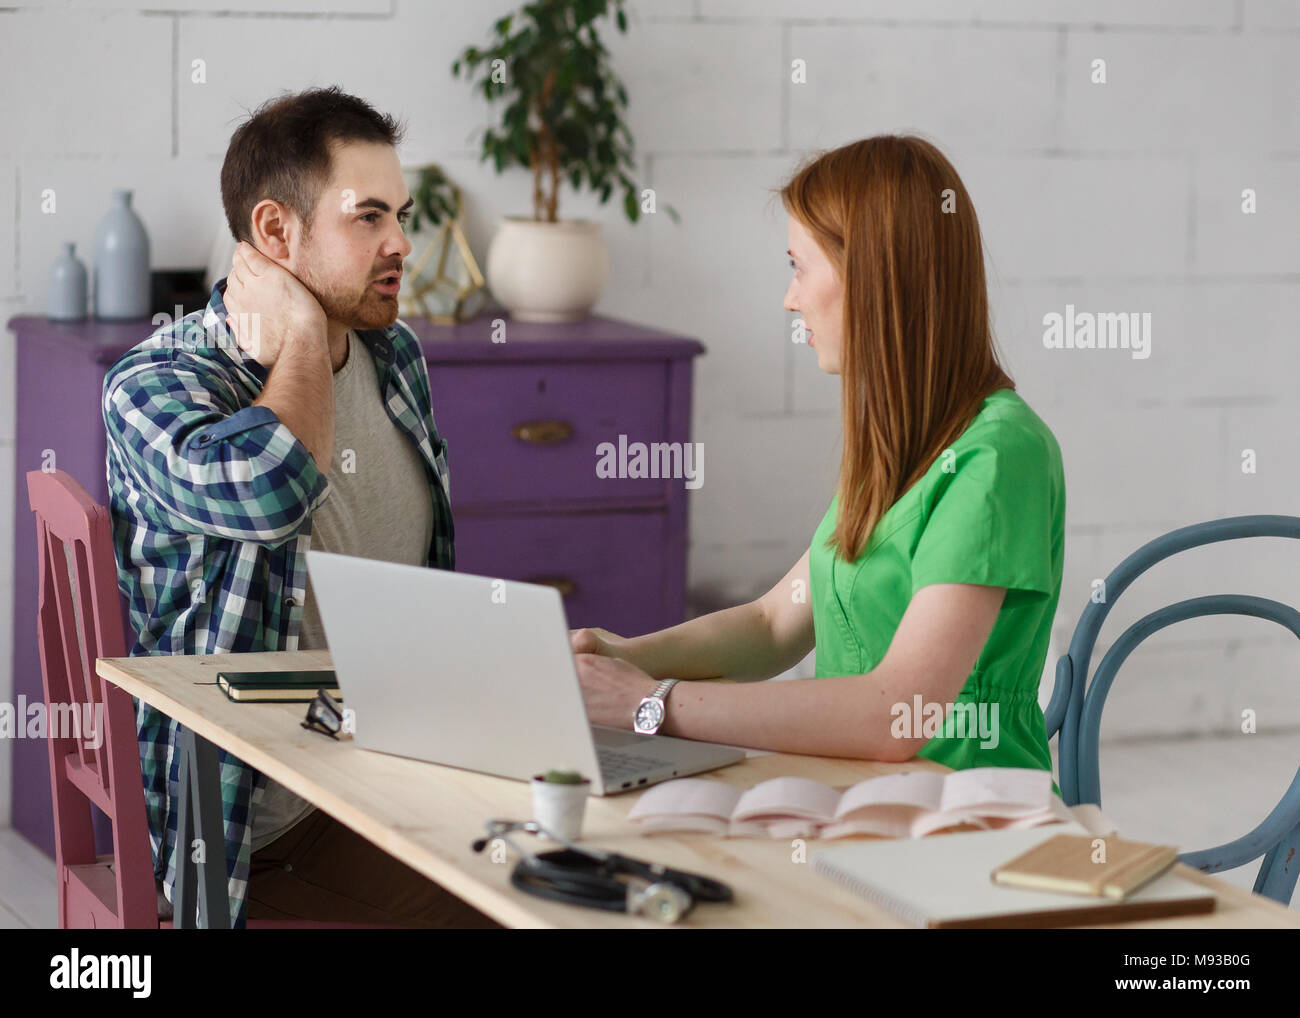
[121, 262]
[67, 295]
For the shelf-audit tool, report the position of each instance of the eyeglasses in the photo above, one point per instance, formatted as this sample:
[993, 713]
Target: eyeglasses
[502, 828]
[324, 715]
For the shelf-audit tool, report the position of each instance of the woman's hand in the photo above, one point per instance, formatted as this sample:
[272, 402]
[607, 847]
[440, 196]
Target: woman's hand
[597, 641]
[612, 689]
[267, 305]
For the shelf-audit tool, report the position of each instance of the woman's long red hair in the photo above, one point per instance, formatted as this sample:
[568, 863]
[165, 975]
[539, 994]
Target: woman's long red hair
[917, 350]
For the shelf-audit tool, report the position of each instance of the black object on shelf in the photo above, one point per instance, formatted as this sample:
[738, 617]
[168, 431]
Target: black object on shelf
[172, 287]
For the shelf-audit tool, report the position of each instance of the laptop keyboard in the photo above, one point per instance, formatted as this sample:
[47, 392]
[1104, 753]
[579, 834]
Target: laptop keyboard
[616, 766]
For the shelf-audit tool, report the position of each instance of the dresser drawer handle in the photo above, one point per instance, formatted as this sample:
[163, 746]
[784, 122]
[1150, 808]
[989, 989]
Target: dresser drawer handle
[543, 432]
[561, 583]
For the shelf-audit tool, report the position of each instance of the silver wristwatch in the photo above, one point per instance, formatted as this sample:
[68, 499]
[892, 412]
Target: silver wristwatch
[651, 711]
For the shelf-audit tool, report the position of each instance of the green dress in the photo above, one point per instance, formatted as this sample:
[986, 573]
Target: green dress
[990, 510]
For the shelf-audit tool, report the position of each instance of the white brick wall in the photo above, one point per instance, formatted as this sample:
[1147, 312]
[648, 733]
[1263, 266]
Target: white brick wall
[1122, 197]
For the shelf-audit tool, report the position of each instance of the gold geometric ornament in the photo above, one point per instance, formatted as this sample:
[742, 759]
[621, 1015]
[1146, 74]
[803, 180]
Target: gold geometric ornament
[455, 291]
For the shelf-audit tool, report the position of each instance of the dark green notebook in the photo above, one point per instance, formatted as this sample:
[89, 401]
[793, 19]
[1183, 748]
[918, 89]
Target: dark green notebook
[278, 687]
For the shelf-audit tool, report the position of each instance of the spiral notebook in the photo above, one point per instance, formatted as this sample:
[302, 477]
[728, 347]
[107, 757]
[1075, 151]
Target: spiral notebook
[946, 882]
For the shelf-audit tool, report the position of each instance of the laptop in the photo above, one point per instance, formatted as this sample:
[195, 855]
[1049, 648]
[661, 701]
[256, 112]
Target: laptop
[477, 672]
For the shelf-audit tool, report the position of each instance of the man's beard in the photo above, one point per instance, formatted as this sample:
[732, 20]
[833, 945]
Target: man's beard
[372, 310]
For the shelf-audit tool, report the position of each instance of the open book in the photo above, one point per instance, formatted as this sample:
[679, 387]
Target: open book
[908, 805]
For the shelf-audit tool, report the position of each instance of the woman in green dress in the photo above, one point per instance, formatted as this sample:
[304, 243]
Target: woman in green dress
[930, 586]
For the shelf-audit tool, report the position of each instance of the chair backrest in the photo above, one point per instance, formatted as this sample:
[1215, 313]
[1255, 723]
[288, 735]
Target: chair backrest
[94, 755]
[1076, 704]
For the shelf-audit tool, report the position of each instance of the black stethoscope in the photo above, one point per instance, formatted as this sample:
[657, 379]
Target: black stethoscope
[590, 878]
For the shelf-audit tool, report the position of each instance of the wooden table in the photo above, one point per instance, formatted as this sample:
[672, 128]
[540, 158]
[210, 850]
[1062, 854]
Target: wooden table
[427, 815]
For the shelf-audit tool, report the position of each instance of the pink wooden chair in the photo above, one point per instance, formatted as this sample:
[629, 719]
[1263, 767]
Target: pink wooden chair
[79, 620]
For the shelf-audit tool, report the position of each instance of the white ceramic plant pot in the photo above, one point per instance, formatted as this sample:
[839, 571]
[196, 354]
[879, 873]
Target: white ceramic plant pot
[560, 807]
[547, 272]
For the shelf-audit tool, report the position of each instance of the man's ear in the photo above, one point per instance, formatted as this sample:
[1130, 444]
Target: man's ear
[271, 225]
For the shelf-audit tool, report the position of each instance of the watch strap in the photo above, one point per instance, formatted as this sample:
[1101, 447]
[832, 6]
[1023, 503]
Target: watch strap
[661, 690]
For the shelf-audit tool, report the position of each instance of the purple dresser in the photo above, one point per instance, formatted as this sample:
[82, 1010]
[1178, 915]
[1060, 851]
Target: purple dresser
[522, 420]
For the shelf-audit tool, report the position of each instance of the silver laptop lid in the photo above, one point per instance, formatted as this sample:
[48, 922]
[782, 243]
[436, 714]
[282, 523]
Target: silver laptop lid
[453, 668]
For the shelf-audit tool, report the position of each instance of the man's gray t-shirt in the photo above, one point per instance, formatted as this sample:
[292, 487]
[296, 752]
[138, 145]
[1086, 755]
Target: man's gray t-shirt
[378, 507]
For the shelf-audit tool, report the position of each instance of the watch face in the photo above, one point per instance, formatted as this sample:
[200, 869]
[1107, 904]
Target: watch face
[650, 714]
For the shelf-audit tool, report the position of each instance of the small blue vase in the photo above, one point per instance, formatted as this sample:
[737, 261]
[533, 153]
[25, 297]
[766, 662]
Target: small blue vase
[121, 263]
[67, 295]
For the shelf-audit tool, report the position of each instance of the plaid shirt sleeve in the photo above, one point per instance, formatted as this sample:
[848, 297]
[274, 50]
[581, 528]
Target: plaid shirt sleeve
[207, 466]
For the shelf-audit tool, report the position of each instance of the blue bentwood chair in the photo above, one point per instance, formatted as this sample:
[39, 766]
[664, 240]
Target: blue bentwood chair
[1075, 712]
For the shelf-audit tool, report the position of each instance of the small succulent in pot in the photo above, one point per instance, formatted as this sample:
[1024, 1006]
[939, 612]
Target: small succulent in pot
[559, 801]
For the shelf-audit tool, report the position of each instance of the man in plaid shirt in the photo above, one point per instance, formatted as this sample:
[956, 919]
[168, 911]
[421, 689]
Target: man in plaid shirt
[222, 431]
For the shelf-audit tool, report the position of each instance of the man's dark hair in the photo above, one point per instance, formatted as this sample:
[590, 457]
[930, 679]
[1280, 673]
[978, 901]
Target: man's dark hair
[282, 152]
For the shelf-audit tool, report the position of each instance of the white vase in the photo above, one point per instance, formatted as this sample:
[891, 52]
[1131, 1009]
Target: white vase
[547, 272]
[122, 280]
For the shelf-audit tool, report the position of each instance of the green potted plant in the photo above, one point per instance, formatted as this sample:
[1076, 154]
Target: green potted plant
[563, 121]
[559, 801]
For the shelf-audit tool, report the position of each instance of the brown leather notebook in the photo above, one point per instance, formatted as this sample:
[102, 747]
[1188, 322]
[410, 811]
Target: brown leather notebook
[1098, 867]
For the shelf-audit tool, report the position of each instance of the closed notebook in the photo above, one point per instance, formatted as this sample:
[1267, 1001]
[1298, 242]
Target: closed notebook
[945, 883]
[1097, 867]
[278, 687]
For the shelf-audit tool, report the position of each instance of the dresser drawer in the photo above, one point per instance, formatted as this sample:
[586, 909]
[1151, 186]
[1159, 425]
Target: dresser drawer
[529, 432]
[610, 567]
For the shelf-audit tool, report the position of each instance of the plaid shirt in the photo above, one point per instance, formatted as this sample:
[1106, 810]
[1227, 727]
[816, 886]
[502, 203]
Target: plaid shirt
[211, 501]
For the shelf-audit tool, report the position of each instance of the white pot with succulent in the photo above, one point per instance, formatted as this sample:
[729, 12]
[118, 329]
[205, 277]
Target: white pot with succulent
[559, 802]
[562, 121]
